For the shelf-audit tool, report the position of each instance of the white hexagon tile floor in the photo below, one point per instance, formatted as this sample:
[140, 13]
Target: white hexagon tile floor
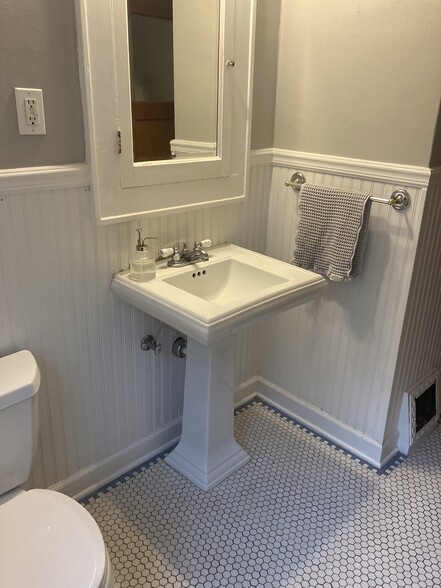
[300, 514]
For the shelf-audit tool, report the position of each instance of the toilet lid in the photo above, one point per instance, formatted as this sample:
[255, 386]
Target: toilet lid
[48, 540]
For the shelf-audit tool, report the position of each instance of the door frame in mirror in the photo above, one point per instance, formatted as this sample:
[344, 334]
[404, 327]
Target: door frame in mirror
[122, 189]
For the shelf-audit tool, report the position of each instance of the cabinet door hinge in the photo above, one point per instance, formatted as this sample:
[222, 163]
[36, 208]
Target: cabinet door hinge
[118, 140]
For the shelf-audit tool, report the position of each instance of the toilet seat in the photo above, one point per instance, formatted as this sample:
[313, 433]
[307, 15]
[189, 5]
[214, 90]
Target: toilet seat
[47, 540]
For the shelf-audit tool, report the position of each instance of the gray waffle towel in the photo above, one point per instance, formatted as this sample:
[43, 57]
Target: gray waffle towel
[332, 231]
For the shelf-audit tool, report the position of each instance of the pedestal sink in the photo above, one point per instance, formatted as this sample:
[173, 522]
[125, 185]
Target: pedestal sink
[210, 302]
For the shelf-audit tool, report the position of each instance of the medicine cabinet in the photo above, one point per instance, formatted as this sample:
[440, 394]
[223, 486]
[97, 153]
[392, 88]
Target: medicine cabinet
[203, 52]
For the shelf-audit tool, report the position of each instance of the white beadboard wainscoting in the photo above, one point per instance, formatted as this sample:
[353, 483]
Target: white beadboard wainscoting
[420, 348]
[331, 362]
[105, 405]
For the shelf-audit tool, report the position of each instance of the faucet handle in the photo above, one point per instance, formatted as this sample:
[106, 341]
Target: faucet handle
[166, 252]
[205, 243]
[172, 252]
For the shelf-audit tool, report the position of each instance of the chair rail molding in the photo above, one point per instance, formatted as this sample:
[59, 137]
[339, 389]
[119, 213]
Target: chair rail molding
[31, 179]
[78, 174]
[392, 173]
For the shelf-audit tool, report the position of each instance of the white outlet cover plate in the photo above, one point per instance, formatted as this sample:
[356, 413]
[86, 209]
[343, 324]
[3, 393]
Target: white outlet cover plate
[23, 127]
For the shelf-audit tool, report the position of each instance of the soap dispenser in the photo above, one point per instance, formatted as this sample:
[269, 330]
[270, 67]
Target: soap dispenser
[142, 266]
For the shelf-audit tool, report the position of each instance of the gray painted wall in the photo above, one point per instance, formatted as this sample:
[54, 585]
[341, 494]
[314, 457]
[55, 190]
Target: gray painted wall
[38, 49]
[359, 79]
[265, 73]
[356, 79]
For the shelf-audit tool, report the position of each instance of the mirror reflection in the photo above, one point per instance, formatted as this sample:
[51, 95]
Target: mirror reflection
[174, 54]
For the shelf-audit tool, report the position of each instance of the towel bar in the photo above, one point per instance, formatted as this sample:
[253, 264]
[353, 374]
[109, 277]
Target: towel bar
[399, 199]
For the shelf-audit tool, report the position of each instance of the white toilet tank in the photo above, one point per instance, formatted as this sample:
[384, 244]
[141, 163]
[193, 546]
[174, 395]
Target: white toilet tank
[19, 383]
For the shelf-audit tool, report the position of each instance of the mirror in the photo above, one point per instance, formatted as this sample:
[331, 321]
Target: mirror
[204, 161]
[174, 55]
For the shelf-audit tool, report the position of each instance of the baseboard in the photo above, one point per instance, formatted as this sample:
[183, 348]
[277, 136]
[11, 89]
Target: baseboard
[245, 392]
[363, 446]
[89, 479]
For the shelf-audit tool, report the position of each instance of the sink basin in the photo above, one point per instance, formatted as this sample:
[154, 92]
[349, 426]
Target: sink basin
[209, 300]
[226, 281]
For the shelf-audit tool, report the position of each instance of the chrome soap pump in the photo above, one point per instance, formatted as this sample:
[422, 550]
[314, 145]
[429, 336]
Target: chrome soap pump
[142, 266]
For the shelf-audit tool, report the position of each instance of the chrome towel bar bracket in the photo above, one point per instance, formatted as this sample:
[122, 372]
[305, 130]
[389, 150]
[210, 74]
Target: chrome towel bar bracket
[399, 199]
[296, 181]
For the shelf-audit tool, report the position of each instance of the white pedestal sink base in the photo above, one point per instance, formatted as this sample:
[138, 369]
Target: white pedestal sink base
[207, 452]
[206, 480]
[236, 287]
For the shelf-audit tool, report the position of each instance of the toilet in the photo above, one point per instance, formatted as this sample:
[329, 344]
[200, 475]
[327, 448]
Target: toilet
[47, 540]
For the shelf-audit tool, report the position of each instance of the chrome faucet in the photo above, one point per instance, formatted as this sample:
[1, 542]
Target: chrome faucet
[185, 256]
[199, 253]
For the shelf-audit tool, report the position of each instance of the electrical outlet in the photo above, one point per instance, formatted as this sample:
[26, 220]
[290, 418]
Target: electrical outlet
[30, 111]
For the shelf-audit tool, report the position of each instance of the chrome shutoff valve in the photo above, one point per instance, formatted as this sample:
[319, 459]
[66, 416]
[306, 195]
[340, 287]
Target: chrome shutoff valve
[149, 343]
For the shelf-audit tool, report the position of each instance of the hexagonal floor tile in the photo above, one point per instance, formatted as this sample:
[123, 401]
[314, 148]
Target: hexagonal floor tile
[300, 513]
